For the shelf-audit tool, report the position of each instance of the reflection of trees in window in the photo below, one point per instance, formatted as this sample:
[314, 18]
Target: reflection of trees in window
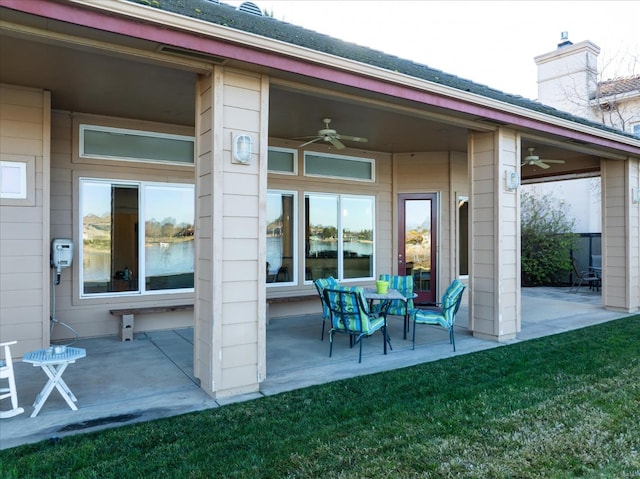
[339, 236]
[280, 237]
[111, 260]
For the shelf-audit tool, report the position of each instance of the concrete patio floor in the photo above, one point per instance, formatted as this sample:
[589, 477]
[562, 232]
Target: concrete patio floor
[152, 377]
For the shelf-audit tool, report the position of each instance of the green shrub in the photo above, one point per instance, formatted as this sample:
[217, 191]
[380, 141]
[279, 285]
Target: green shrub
[547, 239]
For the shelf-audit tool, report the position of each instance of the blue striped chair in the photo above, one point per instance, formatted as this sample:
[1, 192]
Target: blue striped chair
[404, 285]
[350, 315]
[443, 314]
[320, 285]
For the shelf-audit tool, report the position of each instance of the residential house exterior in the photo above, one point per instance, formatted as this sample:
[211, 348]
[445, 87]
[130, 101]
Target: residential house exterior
[151, 132]
[570, 78]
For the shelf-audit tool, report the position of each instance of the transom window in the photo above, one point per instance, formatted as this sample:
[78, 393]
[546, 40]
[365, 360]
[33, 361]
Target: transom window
[137, 237]
[339, 236]
[336, 166]
[122, 144]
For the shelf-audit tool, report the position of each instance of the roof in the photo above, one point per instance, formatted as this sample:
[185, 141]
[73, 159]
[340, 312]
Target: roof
[619, 86]
[269, 27]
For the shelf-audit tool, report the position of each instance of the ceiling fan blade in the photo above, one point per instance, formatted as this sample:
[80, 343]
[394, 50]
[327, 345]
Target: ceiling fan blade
[335, 142]
[353, 138]
[310, 141]
[553, 161]
[541, 164]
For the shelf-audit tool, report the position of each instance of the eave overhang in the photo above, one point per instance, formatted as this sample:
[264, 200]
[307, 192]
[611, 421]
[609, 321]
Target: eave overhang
[147, 23]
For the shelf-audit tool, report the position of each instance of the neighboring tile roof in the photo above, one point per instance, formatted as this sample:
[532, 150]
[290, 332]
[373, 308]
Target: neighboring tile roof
[619, 86]
[269, 27]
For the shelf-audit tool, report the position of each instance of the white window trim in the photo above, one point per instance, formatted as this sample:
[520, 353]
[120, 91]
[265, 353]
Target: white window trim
[371, 161]
[142, 292]
[341, 242]
[294, 274]
[295, 161]
[83, 127]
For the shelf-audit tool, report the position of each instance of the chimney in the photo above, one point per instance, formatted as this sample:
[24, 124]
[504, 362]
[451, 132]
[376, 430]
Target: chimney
[567, 76]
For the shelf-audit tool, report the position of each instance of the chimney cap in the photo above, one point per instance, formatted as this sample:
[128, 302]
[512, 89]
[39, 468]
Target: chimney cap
[564, 40]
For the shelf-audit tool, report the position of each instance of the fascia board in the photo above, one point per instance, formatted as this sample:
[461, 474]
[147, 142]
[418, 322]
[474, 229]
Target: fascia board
[250, 40]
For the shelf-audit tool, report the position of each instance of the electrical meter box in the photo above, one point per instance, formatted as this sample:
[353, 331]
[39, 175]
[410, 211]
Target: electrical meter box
[61, 253]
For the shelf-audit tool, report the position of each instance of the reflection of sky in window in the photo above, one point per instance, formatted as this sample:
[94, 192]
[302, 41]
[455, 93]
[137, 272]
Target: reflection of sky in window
[417, 214]
[170, 202]
[160, 201]
[357, 214]
[323, 211]
[96, 199]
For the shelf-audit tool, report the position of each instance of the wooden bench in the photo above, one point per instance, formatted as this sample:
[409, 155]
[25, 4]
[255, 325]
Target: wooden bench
[127, 316]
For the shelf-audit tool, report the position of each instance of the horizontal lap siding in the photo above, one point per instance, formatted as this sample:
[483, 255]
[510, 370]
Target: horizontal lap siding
[24, 300]
[90, 317]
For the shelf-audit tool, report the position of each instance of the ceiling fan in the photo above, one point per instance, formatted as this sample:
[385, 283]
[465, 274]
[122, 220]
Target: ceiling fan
[535, 160]
[330, 135]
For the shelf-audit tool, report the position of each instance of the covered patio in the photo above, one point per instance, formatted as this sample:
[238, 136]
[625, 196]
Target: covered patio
[152, 377]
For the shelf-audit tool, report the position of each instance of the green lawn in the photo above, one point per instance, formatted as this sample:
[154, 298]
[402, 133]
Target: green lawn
[557, 407]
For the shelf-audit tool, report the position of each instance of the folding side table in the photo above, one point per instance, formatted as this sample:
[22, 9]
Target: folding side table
[53, 364]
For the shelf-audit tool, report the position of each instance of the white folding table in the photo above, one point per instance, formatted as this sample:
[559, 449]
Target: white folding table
[53, 364]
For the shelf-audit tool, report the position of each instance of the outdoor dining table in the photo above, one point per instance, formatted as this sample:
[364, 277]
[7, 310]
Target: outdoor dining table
[54, 361]
[371, 295]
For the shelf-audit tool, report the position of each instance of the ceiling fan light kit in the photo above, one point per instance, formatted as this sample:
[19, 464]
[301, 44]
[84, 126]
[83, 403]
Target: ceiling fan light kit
[330, 135]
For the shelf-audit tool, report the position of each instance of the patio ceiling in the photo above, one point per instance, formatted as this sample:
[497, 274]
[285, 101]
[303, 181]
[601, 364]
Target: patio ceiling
[87, 76]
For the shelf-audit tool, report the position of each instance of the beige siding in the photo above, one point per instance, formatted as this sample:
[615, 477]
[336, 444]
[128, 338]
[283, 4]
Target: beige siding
[444, 173]
[621, 235]
[230, 312]
[24, 237]
[90, 317]
[495, 236]
[300, 184]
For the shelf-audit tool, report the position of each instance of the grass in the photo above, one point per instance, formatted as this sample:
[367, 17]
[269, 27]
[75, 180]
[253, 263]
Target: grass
[563, 406]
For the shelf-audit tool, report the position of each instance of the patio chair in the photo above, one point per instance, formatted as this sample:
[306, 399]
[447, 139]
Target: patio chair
[443, 314]
[350, 315]
[404, 285]
[320, 285]
[6, 372]
[581, 277]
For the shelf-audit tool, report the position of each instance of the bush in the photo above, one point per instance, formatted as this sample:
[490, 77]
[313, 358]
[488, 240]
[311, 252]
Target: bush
[547, 239]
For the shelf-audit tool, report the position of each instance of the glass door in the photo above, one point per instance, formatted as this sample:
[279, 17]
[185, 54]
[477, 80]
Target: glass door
[417, 243]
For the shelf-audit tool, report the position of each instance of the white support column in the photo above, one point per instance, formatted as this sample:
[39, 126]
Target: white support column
[494, 293]
[230, 335]
[620, 235]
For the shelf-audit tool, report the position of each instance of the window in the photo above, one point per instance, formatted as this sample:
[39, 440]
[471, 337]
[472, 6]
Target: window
[282, 160]
[636, 130]
[109, 143]
[463, 236]
[281, 244]
[334, 166]
[111, 214]
[339, 239]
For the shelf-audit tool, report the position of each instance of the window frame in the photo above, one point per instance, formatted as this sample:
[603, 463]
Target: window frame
[340, 253]
[280, 149]
[84, 127]
[141, 267]
[293, 279]
[345, 158]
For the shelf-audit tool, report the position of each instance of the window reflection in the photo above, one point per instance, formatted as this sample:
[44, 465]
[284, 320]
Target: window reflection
[339, 236]
[111, 237]
[280, 237]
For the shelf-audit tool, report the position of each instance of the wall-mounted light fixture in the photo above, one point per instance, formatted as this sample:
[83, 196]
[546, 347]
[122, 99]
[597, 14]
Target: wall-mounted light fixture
[512, 180]
[635, 195]
[242, 146]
